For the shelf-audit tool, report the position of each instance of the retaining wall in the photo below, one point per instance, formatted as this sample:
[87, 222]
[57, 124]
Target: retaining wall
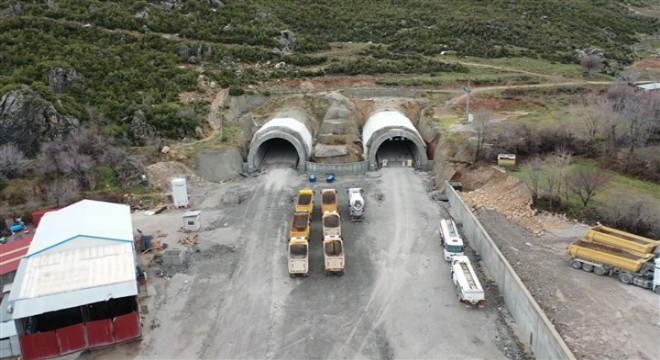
[337, 169]
[535, 329]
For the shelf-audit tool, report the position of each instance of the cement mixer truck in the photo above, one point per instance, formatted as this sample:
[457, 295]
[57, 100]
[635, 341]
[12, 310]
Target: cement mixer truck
[631, 268]
[356, 204]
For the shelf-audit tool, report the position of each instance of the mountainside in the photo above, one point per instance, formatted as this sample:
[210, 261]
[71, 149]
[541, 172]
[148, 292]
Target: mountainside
[127, 56]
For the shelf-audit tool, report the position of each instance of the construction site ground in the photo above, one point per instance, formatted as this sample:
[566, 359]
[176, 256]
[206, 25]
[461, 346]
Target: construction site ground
[234, 298]
[598, 317]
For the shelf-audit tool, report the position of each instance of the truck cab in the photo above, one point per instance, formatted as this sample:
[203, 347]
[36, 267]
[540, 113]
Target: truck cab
[298, 256]
[452, 243]
[356, 203]
[333, 255]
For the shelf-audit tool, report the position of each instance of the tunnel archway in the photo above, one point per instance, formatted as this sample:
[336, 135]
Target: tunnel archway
[280, 142]
[391, 136]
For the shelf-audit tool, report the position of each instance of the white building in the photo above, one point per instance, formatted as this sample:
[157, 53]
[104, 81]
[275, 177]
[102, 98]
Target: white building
[77, 286]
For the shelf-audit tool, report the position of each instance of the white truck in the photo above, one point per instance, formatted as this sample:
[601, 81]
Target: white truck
[356, 203]
[333, 255]
[298, 257]
[450, 239]
[331, 223]
[467, 285]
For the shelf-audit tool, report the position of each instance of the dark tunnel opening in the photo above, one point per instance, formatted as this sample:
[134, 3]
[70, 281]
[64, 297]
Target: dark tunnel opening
[276, 153]
[397, 151]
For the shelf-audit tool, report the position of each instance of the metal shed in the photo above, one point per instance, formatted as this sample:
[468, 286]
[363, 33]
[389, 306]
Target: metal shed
[77, 286]
[191, 220]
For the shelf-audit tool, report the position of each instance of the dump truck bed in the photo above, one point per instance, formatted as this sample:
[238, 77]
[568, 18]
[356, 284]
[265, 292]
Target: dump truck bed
[305, 200]
[329, 200]
[608, 255]
[300, 225]
[622, 240]
[331, 223]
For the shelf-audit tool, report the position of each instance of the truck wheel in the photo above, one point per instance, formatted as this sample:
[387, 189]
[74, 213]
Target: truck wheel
[292, 275]
[327, 273]
[598, 270]
[625, 278]
[341, 273]
[657, 290]
[587, 267]
[576, 264]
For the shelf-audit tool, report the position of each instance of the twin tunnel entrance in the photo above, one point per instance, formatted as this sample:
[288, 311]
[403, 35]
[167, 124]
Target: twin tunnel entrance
[388, 138]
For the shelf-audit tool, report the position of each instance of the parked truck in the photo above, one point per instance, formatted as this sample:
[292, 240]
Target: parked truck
[305, 201]
[450, 239]
[298, 256]
[333, 255]
[300, 225]
[631, 268]
[466, 282]
[329, 200]
[619, 239]
[331, 224]
[356, 204]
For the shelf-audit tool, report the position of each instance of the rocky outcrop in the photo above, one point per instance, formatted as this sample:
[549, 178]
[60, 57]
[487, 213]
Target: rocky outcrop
[339, 125]
[61, 79]
[28, 120]
[215, 4]
[287, 41]
[12, 10]
[194, 53]
[143, 132]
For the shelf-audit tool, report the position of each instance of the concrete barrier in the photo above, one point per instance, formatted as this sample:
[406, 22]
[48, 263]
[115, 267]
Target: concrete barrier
[338, 169]
[535, 329]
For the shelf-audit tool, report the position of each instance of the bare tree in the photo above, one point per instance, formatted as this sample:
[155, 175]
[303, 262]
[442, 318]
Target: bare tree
[62, 191]
[591, 63]
[12, 161]
[586, 182]
[597, 116]
[482, 124]
[533, 176]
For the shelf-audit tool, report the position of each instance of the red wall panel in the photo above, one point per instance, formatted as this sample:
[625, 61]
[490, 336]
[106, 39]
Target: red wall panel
[71, 338]
[39, 346]
[127, 327]
[99, 333]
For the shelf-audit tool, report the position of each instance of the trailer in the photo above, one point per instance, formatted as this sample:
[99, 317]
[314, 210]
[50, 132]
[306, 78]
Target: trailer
[305, 201]
[329, 200]
[631, 268]
[626, 241]
[300, 225]
[467, 284]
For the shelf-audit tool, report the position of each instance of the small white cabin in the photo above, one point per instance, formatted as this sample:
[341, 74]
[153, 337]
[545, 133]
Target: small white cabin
[180, 192]
[191, 220]
[452, 243]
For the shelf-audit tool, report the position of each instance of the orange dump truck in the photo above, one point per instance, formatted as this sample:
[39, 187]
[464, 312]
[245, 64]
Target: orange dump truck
[305, 201]
[331, 224]
[631, 268]
[298, 257]
[300, 225]
[622, 240]
[329, 200]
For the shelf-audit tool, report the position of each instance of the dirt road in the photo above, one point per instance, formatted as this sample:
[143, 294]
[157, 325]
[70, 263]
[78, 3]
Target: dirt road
[396, 299]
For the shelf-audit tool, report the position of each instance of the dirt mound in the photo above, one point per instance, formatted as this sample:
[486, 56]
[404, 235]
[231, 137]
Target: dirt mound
[504, 194]
[161, 173]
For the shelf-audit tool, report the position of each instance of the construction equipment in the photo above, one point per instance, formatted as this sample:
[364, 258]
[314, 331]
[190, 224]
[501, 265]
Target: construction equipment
[331, 224]
[619, 239]
[298, 257]
[300, 225]
[333, 255]
[631, 268]
[452, 244]
[466, 282]
[305, 201]
[356, 204]
[329, 200]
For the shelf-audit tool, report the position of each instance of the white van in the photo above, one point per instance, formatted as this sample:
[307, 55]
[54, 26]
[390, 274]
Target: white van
[451, 241]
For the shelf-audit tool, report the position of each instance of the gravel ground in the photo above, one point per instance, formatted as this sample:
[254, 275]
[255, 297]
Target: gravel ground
[598, 317]
[235, 298]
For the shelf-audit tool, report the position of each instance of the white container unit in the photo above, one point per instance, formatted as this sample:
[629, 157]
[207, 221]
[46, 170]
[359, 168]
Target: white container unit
[180, 192]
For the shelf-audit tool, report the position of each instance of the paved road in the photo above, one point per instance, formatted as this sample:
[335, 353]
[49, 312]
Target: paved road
[396, 299]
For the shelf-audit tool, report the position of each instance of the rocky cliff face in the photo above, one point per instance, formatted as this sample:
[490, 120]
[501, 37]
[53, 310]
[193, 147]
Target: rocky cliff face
[61, 79]
[28, 120]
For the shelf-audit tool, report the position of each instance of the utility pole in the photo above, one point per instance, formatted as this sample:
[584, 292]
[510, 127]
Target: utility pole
[468, 90]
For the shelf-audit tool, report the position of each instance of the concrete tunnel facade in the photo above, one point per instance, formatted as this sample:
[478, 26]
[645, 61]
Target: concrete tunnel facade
[288, 129]
[386, 125]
